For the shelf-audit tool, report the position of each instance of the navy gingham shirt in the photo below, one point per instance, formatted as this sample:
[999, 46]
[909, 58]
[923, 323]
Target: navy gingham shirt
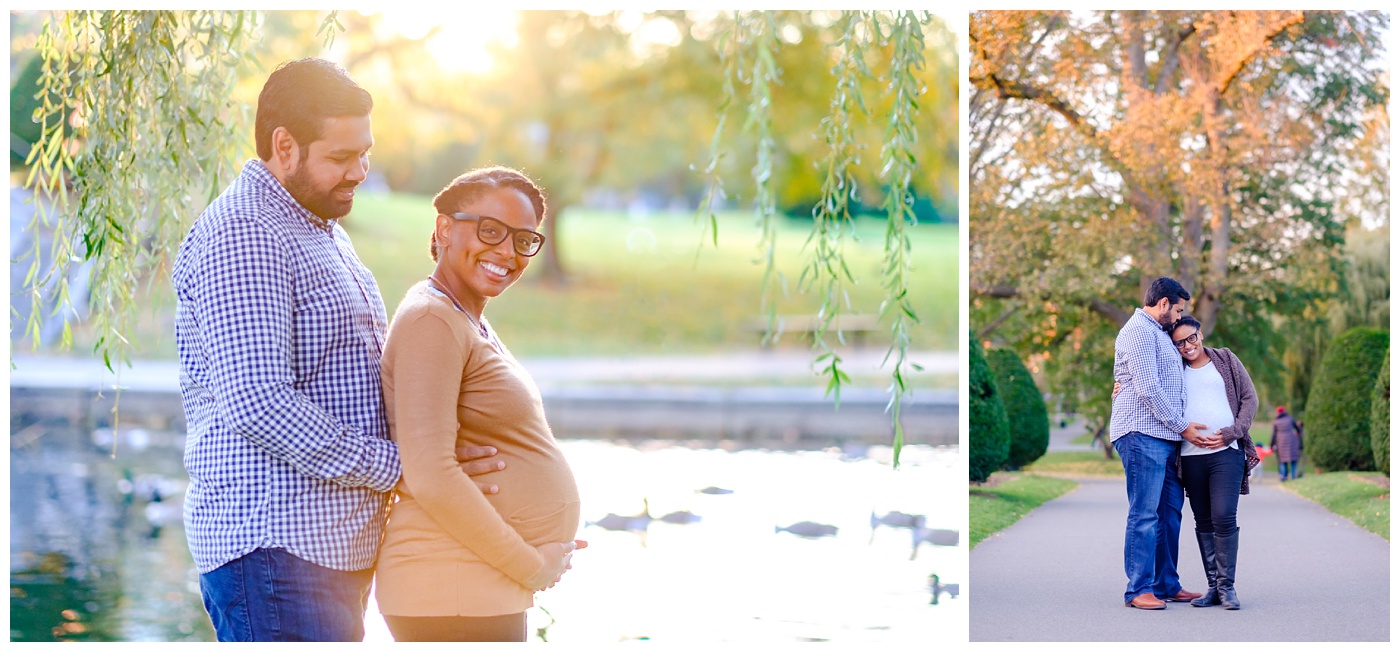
[280, 329]
[1153, 397]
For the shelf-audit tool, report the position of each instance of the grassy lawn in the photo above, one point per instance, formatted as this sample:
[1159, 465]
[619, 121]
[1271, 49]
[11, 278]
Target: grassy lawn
[995, 507]
[1344, 493]
[656, 284]
[638, 285]
[1075, 463]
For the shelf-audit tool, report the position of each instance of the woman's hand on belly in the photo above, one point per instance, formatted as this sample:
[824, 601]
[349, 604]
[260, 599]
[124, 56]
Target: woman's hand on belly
[557, 559]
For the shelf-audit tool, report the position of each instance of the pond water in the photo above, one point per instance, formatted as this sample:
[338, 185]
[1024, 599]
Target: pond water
[94, 556]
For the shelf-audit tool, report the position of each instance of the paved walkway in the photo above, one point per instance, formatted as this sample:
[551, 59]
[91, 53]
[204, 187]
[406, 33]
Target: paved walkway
[1060, 436]
[1305, 574]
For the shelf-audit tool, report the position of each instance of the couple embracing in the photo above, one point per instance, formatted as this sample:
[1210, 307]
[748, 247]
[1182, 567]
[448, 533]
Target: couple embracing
[310, 415]
[1180, 424]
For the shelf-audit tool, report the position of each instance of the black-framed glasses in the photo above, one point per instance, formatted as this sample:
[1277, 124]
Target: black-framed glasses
[1189, 339]
[492, 231]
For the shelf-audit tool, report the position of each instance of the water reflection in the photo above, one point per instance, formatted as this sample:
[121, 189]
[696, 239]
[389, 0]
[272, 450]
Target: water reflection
[92, 558]
[750, 545]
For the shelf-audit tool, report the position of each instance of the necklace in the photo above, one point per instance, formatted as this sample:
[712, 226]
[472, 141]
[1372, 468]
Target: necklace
[480, 327]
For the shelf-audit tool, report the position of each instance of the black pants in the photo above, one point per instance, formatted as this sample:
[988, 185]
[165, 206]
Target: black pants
[1212, 482]
[509, 628]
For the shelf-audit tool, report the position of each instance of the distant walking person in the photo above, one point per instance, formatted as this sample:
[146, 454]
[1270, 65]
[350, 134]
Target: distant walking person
[1146, 427]
[280, 331]
[1287, 443]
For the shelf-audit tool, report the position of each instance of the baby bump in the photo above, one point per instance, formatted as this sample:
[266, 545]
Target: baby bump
[537, 497]
[546, 521]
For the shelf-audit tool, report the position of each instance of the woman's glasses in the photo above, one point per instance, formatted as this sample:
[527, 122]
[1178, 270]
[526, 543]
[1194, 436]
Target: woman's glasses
[1189, 339]
[492, 231]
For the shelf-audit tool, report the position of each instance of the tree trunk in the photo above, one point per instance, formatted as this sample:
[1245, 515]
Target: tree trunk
[551, 268]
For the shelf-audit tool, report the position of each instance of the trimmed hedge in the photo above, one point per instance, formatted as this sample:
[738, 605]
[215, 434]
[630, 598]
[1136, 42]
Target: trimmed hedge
[1380, 418]
[1027, 418]
[987, 440]
[1338, 428]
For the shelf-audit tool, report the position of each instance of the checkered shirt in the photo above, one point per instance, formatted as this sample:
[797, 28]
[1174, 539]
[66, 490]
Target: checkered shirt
[280, 329]
[1153, 396]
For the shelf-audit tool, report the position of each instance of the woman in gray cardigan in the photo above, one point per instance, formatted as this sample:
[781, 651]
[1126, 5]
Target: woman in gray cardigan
[1220, 394]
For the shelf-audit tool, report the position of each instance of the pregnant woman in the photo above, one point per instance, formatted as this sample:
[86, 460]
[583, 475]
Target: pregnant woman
[1220, 394]
[1215, 472]
[458, 564]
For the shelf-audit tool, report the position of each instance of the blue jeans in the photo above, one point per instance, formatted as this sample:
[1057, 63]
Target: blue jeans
[1287, 470]
[1155, 497]
[270, 595]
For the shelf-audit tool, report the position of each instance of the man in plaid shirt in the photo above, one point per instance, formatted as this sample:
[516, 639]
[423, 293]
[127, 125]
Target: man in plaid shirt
[1146, 428]
[280, 330]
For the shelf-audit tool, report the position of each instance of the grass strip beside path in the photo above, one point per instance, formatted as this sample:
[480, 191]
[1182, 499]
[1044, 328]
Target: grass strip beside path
[1076, 463]
[1347, 494]
[995, 506]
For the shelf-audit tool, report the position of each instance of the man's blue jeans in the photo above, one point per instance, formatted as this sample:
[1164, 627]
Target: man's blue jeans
[1153, 536]
[270, 595]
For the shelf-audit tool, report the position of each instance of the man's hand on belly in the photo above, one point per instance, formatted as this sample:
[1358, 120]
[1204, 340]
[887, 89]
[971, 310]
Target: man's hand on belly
[478, 460]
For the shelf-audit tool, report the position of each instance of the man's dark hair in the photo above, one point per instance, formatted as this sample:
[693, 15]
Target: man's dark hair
[1165, 288]
[1186, 320]
[300, 95]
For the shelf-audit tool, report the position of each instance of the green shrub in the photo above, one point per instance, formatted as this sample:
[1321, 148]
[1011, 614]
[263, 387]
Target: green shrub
[1027, 419]
[1337, 432]
[1380, 418]
[987, 439]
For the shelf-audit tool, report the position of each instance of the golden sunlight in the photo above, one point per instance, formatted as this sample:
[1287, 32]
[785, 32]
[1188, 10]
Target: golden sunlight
[463, 37]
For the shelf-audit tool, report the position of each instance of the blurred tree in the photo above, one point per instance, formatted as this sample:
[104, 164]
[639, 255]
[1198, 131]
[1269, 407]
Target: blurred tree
[1109, 148]
[1356, 292]
[1338, 429]
[988, 431]
[1380, 418]
[1028, 423]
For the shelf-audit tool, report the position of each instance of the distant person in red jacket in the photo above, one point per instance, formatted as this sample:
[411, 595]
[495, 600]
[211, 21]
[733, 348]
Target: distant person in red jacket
[1287, 443]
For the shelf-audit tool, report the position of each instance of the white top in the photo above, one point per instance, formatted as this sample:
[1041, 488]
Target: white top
[1206, 403]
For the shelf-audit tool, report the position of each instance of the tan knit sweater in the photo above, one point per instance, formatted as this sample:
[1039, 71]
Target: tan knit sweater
[449, 549]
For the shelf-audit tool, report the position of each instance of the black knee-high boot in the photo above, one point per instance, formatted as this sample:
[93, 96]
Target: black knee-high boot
[1206, 542]
[1226, 554]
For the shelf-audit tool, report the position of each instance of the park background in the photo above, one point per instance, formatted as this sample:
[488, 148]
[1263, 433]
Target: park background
[1246, 154]
[674, 176]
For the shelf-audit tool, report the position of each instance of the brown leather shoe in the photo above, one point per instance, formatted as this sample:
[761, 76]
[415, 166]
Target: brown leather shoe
[1183, 596]
[1146, 601]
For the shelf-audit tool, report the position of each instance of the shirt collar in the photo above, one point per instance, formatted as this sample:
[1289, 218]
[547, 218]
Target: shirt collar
[257, 171]
[1150, 320]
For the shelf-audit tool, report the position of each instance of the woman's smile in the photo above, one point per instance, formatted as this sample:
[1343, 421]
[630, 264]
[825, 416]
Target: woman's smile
[495, 269]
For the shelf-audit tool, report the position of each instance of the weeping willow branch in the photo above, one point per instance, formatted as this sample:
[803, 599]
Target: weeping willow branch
[730, 41]
[762, 38]
[832, 220]
[139, 132]
[898, 163]
[748, 53]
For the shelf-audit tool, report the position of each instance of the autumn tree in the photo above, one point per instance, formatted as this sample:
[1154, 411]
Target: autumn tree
[1110, 148]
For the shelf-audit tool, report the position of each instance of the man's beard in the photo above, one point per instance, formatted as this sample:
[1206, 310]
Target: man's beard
[323, 205]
